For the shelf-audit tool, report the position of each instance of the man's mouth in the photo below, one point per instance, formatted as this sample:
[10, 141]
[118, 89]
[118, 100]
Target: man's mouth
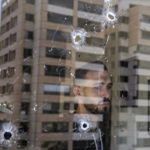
[105, 104]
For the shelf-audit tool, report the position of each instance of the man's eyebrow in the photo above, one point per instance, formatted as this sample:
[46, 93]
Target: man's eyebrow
[99, 83]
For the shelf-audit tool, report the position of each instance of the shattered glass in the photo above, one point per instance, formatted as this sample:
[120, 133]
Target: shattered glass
[74, 75]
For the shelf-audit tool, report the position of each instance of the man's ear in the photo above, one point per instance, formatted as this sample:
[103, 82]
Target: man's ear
[77, 90]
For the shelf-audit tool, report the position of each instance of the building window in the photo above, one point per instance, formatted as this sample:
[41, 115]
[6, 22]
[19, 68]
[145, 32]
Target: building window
[28, 35]
[92, 41]
[124, 64]
[26, 69]
[135, 64]
[26, 88]
[64, 3]
[55, 71]
[4, 89]
[23, 127]
[145, 35]
[1, 60]
[60, 36]
[14, 6]
[56, 89]
[49, 127]
[124, 94]
[122, 140]
[13, 22]
[123, 78]
[55, 145]
[50, 108]
[22, 144]
[29, 17]
[8, 11]
[66, 106]
[54, 108]
[13, 38]
[11, 71]
[9, 88]
[6, 58]
[132, 5]
[27, 52]
[144, 49]
[123, 49]
[88, 25]
[4, 3]
[81, 144]
[115, 8]
[142, 126]
[123, 35]
[58, 53]
[92, 8]
[30, 1]
[124, 19]
[1, 90]
[59, 18]
[143, 142]
[12, 55]
[3, 74]
[7, 26]
[145, 18]
[24, 108]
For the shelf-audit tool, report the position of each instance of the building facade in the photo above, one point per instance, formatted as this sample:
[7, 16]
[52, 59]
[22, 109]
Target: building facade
[38, 62]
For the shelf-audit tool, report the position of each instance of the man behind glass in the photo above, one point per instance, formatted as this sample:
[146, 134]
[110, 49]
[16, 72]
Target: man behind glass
[92, 92]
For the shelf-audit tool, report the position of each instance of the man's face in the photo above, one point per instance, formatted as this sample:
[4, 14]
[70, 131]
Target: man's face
[97, 91]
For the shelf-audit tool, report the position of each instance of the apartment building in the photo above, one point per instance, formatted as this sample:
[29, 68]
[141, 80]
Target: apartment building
[131, 45]
[38, 62]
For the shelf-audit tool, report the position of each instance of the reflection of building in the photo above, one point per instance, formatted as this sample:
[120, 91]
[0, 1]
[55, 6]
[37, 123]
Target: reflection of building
[34, 41]
[132, 45]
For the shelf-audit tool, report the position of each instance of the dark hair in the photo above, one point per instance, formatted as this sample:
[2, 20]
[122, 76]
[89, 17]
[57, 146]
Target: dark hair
[81, 73]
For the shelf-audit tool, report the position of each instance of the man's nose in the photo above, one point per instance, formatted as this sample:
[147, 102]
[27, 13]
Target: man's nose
[105, 93]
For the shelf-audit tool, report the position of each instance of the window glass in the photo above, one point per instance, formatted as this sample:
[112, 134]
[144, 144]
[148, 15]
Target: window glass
[49, 127]
[55, 71]
[26, 69]
[64, 3]
[88, 25]
[123, 63]
[60, 36]
[27, 52]
[92, 8]
[57, 53]
[123, 35]
[30, 1]
[29, 17]
[51, 108]
[145, 18]
[59, 18]
[145, 35]
[56, 89]
[26, 87]
[55, 145]
[75, 75]
[124, 19]
[28, 35]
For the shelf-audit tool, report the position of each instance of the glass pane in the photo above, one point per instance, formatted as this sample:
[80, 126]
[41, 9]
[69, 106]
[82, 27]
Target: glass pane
[74, 75]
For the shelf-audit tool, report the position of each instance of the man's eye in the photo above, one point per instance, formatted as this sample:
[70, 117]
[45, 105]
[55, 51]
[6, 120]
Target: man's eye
[109, 86]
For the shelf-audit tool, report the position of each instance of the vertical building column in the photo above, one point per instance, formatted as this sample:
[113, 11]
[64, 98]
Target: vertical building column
[35, 74]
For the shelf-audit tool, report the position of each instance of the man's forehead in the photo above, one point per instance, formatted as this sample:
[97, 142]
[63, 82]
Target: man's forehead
[94, 78]
[97, 75]
[90, 66]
